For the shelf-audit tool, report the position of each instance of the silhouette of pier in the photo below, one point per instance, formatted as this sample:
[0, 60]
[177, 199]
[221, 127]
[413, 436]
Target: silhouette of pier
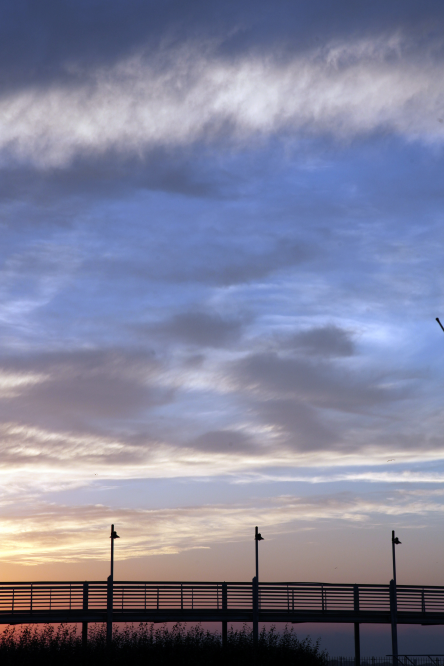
[128, 601]
[43, 602]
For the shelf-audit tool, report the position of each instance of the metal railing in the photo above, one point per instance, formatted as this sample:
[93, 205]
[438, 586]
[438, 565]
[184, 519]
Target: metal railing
[287, 598]
[403, 660]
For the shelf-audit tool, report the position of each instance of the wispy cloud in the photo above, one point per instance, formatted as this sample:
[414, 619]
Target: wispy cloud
[343, 89]
[51, 533]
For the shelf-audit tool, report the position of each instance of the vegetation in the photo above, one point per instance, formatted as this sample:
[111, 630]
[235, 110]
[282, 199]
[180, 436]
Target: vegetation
[146, 644]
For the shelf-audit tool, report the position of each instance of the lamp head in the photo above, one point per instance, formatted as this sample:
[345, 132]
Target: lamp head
[396, 540]
[259, 537]
[114, 535]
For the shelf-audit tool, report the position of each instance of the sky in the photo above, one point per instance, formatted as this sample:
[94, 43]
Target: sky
[220, 267]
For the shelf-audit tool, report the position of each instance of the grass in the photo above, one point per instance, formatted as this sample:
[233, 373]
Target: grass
[146, 644]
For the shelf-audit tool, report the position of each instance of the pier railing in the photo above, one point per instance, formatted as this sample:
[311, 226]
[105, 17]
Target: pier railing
[278, 598]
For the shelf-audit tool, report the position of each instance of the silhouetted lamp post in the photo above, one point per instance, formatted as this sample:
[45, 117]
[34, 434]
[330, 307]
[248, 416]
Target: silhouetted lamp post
[113, 536]
[257, 537]
[394, 603]
[109, 619]
[395, 541]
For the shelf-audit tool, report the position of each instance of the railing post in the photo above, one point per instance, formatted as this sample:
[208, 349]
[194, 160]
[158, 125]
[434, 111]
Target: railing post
[357, 636]
[393, 617]
[224, 622]
[85, 608]
[255, 613]
[109, 608]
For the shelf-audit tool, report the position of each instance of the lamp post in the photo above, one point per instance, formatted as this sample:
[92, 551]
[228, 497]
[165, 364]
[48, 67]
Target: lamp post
[257, 537]
[109, 618]
[394, 603]
[113, 536]
[395, 541]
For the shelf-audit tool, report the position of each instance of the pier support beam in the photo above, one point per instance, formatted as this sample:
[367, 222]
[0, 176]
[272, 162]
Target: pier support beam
[394, 620]
[85, 608]
[109, 608]
[224, 608]
[357, 636]
[255, 612]
[357, 645]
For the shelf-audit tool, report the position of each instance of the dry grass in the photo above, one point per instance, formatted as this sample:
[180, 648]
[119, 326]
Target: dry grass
[146, 644]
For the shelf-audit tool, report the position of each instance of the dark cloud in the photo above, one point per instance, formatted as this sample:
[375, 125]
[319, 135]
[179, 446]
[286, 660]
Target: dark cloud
[115, 174]
[203, 329]
[83, 389]
[321, 384]
[45, 41]
[213, 262]
[299, 424]
[323, 341]
[224, 441]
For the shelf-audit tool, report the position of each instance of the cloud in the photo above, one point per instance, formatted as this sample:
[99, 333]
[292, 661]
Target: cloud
[111, 175]
[201, 329]
[83, 389]
[224, 441]
[46, 44]
[322, 384]
[323, 341]
[398, 476]
[191, 95]
[45, 532]
[299, 425]
[220, 261]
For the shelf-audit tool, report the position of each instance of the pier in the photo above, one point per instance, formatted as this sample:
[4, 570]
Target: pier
[225, 602]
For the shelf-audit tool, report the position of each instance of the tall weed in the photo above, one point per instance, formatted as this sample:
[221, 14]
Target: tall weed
[157, 646]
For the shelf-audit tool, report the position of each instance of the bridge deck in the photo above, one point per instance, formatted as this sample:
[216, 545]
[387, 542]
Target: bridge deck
[43, 602]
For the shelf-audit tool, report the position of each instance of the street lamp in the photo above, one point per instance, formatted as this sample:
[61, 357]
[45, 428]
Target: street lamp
[109, 603]
[113, 536]
[394, 604]
[257, 537]
[395, 541]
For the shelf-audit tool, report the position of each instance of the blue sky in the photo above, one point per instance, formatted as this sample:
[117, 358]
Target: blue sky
[221, 263]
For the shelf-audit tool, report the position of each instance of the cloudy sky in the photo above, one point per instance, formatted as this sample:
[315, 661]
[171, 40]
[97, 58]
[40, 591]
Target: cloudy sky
[221, 262]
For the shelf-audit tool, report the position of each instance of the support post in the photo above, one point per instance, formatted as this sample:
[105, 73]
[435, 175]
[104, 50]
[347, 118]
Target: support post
[255, 613]
[109, 608]
[357, 645]
[85, 608]
[109, 595]
[224, 622]
[256, 540]
[393, 617]
[357, 636]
